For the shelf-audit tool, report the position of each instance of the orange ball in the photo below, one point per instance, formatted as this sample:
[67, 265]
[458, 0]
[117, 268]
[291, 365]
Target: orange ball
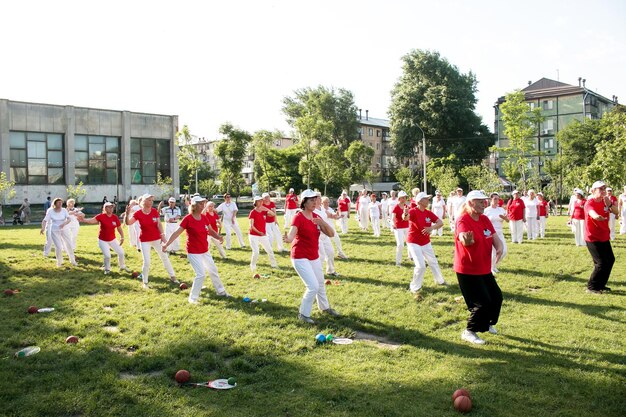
[183, 286]
[182, 376]
[33, 310]
[71, 339]
[459, 392]
[463, 404]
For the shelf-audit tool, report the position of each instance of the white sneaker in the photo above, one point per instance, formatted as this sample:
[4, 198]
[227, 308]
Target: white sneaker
[195, 302]
[472, 337]
[145, 286]
[492, 329]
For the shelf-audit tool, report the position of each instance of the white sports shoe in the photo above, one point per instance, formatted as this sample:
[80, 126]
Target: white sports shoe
[472, 337]
[492, 329]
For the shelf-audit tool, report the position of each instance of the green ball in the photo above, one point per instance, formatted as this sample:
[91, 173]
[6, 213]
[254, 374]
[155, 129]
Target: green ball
[329, 337]
[232, 380]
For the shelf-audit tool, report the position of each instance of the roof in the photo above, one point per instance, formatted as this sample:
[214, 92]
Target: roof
[547, 88]
[372, 121]
[545, 83]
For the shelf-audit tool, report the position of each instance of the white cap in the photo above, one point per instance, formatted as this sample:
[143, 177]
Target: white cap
[402, 194]
[421, 195]
[291, 190]
[108, 203]
[438, 192]
[197, 199]
[147, 196]
[257, 198]
[579, 191]
[308, 194]
[265, 195]
[171, 200]
[476, 195]
[515, 192]
[598, 184]
[609, 189]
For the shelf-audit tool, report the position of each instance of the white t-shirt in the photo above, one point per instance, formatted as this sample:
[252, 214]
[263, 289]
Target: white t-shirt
[374, 210]
[391, 204]
[228, 209]
[56, 219]
[364, 203]
[494, 215]
[328, 220]
[438, 205]
[456, 202]
[531, 206]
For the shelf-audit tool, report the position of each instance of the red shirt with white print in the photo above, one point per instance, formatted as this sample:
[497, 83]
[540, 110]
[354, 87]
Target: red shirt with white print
[418, 220]
[213, 218]
[291, 201]
[515, 209]
[148, 225]
[258, 219]
[476, 258]
[197, 232]
[343, 204]
[597, 230]
[108, 224]
[269, 206]
[306, 243]
[398, 222]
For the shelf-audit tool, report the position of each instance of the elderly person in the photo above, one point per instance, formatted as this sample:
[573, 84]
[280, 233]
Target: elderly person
[363, 209]
[391, 204]
[171, 215]
[196, 225]
[59, 218]
[543, 207]
[151, 235]
[25, 211]
[531, 214]
[421, 224]
[214, 223]
[515, 212]
[332, 215]
[291, 206]
[304, 236]
[400, 226]
[498, 216]
[258, 233]
[133, 230]
[73, 227]
[475, 237]
[343, 209]
[229, 210]
[375, 214]
[108, 222]
[577, 218]
[598, 237]
[325, 246]
[438, 206]
[271, 225]
[612, 217]
[455, 203]
[384, 210]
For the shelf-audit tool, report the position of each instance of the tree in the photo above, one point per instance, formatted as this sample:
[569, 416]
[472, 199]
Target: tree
[433, 96]
[284, 163]
[311, 130]
[407, 178]
[442, 175]
[480, 177]
[330, 164]
[230, 153]
[262, 142]
[359, 157]
[7, 188]
[208, 187]
[77, 192]
[165, 186]
[520, 127]
[335, 107]
[191, 168]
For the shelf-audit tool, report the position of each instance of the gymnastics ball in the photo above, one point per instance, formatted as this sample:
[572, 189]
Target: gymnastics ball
[182, 376]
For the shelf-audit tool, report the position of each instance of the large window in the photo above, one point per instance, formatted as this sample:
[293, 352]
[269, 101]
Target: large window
[97, 159]
[147, 158]
[36, 158]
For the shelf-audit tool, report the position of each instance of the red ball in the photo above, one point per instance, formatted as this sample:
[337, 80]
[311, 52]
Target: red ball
[9, 292]
[459, 392]
[33, 310]
[183, 286]
[182, 376]
[135, 274]
[463, 404]
[328, 282]
[71, 339]
[256, 276]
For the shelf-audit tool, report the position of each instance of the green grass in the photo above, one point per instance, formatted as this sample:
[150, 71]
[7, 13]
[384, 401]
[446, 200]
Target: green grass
[560, 351]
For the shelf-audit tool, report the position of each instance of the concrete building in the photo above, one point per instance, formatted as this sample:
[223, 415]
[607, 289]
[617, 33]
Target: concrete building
[45, 147]
[560, 104]
[375, 133]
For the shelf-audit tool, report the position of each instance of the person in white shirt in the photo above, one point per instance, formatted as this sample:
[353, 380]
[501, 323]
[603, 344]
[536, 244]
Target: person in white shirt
[364, 203]
[456, 203]
[229, 210]
[271, 223]
[171, 214]
[384, 207]
[438, 206]
[59, 218]
[74, 226]
[532, 214]
[392, 202]
[332, 215]
[498, 216]
[326, 250]
[133, 229]
[375, 214]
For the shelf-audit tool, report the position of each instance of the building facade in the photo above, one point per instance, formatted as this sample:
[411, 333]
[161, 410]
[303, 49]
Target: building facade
[375, 133]
[44, 148]
[560, 104]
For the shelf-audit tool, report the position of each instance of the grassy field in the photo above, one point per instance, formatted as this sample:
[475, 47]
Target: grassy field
[560, 351]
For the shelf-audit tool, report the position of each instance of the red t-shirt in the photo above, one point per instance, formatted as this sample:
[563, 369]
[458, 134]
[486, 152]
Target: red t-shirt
[474, 259]
[399, 223]
[197, 232]
[579, 210]
[418, 220]
[108, 224]
[500, 202]
[542, 206]
[148, 225]
[515, 209]
[344, 204]
[613, 200]
[306, 243]
[413, 204]
[269, 206]
[597, 230]
[258, 218]
[291, 201]
[212, 218]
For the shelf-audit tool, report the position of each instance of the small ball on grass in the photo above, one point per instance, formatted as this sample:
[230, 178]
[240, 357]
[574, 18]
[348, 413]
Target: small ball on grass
[459, 392]
[33, 310]
[183, 286]
[135, 274]
[328, 282]
[256, 276]
[182, 376]
[320, 338]
[232, 380]
[9, 292]
[329, 337]
[71, 339]
[463, 404]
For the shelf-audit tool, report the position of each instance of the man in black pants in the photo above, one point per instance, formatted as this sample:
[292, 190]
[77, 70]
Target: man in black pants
[598, 237]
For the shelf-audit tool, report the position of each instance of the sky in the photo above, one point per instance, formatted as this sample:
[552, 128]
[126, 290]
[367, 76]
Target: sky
[235, 61]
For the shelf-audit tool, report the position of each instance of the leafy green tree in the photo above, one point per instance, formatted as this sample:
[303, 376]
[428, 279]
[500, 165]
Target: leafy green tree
[208, 187]
[7, 187]
[262, 142]
[165, 186]
[191, 167]
[77, 192]
[330, 164]
[230, 153]
[285, 163]
[335, 107]
[311, 130]
[433, 96]
[480, 177]
[441, 174]
[407, 178]
[359, 157]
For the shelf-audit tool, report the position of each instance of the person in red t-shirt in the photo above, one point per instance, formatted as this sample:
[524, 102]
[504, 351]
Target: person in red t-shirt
[475, 237]
[258, 233]
[421, 223]
[343, 209]
[542, 210]
[612, 217]
[214, 221]
[150, 235]
[271, 224]
[400, 226]
[106, 237]
[598, 237]
[198, 228]
[515, 211]
[577, 217]
[291, 206]
[305, 258]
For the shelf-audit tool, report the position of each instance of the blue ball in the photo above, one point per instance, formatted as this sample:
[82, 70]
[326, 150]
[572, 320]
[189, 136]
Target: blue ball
[320, 338]
[246, 299]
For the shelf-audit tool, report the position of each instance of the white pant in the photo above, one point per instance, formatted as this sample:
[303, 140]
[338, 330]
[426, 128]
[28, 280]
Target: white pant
[274, 234]
[289, 213]
[218, 245]
[254, 244]
[104, 247]
[62, 242]
[229, 227]
[531, 228]
[202, 264]
[363, 218]
[493, 251]
[327, 252]
[439, 213]
[452, 222]
[542, 226]
[376, 226]
[337, 241]
[385, 221]
[400, 235]
[622, 229]
[612, 225]
[578, 227]
[73, 229]
[420, 255]
[47, 247]
[170, 228]
[517, 230]
[145, 253]
[311, 274]
[344, 222]
[133, 235]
